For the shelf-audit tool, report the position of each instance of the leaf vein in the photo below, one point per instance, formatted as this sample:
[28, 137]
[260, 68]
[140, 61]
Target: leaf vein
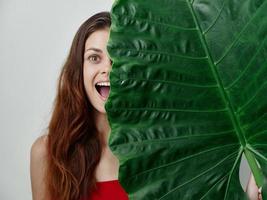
[164, 53]
[216, 19]
[231, 173]
[164, 24]
[219, 181]
[184, 158]
[170, 110]
[238, 36]
[173, 82]
[249, 147]
[247, 67]
[252, 98]
[174, 139]
[201, 174]
[257, 134]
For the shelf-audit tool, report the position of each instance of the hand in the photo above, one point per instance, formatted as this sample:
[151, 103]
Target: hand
[254, 193]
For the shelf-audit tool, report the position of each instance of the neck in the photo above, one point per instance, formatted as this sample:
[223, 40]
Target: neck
[102, 127]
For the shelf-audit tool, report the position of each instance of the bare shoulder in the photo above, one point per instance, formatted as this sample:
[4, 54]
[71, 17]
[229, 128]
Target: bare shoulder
[38, 159]
[38, 163]
[39, 148]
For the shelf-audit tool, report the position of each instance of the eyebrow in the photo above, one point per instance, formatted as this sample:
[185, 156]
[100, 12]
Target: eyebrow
[94, 49]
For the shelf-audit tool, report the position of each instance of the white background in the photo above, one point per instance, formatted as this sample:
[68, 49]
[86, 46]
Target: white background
[35, 37]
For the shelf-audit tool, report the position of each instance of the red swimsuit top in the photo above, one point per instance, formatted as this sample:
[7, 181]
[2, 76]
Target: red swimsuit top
[108, 190]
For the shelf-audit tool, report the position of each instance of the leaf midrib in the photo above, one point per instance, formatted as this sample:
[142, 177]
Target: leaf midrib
[228, 103]
[234, 119]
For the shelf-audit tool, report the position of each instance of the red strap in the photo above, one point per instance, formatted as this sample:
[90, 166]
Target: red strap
[108, 190]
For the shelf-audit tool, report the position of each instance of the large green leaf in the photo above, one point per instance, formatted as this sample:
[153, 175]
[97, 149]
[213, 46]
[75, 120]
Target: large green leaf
[188, 96]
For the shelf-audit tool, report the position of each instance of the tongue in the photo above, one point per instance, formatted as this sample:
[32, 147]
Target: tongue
[104, 91]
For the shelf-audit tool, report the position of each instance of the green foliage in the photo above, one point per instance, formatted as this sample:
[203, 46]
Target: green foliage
[188, 96]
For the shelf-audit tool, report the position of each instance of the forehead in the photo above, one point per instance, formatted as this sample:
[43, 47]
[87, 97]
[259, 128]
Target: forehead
[98, 39]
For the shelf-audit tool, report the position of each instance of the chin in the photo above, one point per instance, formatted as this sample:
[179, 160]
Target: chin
[101, 109]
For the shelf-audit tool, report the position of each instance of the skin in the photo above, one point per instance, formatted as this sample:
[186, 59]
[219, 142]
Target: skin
[38, 163]
[252, 189]
[96, 67]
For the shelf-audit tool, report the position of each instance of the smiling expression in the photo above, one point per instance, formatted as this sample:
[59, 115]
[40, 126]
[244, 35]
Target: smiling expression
[96, 68]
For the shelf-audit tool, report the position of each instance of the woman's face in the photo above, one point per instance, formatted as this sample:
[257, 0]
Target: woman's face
[96, 68]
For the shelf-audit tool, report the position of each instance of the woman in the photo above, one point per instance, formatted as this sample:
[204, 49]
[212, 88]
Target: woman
[73, 161]
[73, 158]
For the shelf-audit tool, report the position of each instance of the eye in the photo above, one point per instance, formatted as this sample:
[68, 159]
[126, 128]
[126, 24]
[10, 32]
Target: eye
[94, 58]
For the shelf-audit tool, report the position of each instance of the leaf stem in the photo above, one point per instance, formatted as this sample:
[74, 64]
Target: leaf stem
[256, 171]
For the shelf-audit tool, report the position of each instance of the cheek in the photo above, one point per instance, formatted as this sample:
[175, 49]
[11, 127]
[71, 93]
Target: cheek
[88, 77]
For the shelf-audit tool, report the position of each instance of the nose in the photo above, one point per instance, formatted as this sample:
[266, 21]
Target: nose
[107, 66]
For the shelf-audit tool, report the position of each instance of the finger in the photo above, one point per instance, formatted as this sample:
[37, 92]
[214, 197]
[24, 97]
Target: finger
[252, 189]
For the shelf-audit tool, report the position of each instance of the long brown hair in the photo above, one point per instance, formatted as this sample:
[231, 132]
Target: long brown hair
[73, 145]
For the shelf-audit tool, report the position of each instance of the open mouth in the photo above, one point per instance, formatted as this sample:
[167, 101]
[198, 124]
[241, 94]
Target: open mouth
[103, 89]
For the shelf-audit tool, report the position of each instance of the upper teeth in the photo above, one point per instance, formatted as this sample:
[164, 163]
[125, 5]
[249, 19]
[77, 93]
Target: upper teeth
[106, 83]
